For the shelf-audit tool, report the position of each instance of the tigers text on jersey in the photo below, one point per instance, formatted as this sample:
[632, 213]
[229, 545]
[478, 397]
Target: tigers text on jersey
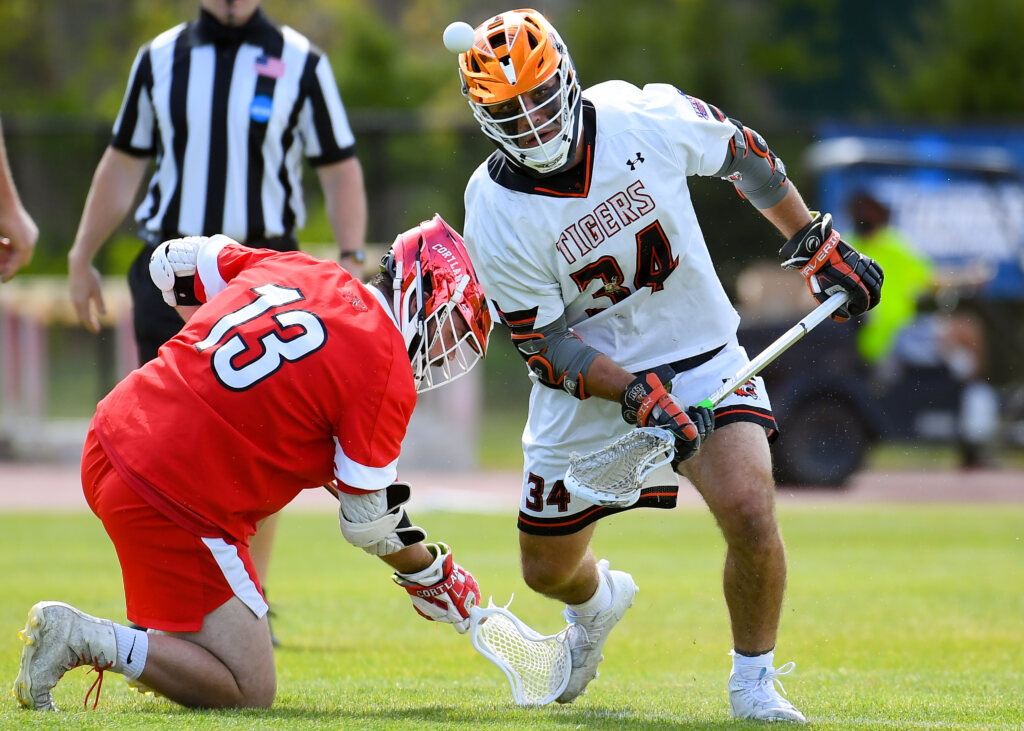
[229, 120]
[614, 243]
[292, 374]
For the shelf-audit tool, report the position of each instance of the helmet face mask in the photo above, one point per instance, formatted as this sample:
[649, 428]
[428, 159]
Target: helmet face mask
[438, 303]
[522, 87]
[452, 348]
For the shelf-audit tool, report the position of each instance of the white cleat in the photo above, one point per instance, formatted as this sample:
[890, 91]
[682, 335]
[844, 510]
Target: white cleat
[754, 697]
[587, 634]
[58, 638]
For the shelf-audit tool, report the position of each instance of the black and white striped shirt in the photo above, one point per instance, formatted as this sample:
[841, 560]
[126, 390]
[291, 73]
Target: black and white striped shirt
[229, 114]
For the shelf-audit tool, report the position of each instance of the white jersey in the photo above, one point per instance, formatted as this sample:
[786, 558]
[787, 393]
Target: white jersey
[614, 244]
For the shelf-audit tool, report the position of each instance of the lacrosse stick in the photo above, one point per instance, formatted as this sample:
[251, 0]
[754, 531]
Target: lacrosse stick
[537, 666]
[612, 476]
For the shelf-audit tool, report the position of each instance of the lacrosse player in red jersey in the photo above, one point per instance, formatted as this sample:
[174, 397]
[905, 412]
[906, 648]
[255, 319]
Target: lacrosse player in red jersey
[291, 376]
[583, 233]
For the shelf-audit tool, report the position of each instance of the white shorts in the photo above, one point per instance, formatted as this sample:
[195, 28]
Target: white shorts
[559, 425]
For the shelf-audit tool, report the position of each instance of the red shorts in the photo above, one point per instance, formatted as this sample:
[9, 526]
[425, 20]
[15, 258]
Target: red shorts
[172, 578]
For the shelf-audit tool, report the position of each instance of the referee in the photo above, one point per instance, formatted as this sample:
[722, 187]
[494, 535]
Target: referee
[228, 104]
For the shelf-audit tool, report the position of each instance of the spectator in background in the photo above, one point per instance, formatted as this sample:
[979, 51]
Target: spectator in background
[228, 104]
[18, 232]
[896, 333]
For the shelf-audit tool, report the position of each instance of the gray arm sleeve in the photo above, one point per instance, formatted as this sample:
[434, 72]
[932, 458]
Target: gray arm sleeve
[557, 356]
[757, 173]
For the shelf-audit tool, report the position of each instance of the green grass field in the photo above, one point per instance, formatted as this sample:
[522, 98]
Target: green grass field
[897, 617]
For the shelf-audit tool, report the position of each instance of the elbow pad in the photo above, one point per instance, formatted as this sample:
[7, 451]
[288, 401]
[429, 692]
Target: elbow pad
[172, 267]
[376, 521]
[758, 174]
[553, 353]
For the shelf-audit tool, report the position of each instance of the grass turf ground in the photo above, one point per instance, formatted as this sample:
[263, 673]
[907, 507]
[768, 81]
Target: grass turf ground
[897, 617]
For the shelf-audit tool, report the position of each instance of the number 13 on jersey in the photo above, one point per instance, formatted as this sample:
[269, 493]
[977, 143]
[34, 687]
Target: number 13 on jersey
[245, 358]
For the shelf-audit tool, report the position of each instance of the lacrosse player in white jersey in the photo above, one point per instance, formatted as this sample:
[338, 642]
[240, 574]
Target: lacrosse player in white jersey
[582, 230]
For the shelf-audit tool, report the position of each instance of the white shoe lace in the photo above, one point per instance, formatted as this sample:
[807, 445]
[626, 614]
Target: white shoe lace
[764, 689]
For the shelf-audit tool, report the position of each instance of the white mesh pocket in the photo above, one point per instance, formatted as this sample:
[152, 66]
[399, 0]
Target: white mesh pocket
[613, 475]
[537, 666]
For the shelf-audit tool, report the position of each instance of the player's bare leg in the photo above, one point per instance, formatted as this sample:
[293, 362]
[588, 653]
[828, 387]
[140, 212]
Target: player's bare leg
[563, 568]
[733, 473]
[227, 664]
[560, 567]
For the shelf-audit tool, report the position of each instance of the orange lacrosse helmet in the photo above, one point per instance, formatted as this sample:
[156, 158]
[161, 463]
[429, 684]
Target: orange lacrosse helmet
[438, 302]
[522, 87]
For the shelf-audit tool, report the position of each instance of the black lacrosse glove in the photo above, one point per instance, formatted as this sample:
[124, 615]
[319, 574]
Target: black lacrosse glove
[831, 265]
[647, 402]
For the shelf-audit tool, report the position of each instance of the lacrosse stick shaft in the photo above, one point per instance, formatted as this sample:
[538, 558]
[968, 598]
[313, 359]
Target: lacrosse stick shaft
[777, 348]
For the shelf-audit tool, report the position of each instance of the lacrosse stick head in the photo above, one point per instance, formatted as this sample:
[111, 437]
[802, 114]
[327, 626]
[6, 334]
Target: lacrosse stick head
[537, 666]
[612, 476]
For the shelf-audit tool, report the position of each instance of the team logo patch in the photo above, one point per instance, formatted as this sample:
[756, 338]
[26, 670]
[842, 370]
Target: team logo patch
[261, 108]
[635, 161]
[356, 303]
[698, 106]
[748, 389]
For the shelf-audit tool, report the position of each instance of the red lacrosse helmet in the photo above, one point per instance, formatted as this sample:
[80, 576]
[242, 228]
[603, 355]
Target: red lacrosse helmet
[438, 302]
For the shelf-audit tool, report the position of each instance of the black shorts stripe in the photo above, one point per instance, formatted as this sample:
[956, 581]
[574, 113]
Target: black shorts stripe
[659, 496]
[762, 417]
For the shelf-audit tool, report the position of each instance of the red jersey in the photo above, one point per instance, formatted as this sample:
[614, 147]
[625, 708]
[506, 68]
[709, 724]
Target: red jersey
[292, 373]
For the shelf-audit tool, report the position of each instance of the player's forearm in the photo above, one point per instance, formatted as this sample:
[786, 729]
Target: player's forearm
[607, 379]
[409, 560]
[790, 214]
[110, 197]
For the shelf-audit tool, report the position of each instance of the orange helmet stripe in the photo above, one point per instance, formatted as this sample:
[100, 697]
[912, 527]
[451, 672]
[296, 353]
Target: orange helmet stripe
[513, 52]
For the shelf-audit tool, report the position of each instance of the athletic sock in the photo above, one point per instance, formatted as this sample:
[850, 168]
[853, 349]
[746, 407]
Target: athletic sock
[746, 662]
[601, 600]
[132, 649]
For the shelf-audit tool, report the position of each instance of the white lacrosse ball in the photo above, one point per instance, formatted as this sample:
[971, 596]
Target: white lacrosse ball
[458, 37]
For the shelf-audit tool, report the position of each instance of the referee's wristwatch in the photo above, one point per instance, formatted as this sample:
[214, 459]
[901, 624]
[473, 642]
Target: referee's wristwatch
[358, 256]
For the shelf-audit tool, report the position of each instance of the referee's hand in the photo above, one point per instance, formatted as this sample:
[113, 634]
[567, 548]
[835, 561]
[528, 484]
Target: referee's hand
[86, 294]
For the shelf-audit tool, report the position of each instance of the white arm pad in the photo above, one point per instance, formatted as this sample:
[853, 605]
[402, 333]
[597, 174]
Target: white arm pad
[172, 259]
[377, 521]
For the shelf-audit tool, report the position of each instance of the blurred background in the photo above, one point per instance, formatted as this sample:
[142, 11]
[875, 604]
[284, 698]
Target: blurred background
[919, 102]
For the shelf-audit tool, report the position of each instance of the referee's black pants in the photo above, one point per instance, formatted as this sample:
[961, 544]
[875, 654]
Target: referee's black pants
[153, 320]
